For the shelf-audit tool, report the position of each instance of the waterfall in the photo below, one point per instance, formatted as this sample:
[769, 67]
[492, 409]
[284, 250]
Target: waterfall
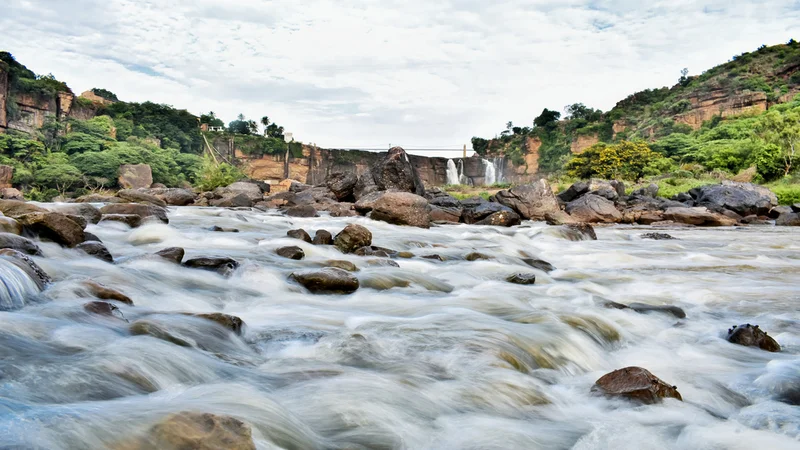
[461, 177]
[490, 173]
[498, 168]
[452, 173]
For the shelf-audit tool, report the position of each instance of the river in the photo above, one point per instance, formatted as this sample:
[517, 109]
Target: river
[428, 355]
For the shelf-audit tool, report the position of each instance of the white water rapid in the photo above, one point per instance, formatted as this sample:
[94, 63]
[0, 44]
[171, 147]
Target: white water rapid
[428, 355]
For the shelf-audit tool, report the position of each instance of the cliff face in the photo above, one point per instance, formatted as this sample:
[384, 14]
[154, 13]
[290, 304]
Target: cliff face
[3, 98]
[720, 103]
[582, 142]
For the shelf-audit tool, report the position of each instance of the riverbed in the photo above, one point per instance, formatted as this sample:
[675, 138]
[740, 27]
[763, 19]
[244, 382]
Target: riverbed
[428, 355]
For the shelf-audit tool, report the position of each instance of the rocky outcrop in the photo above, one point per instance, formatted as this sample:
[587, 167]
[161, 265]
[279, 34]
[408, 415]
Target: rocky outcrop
[530, 201]
[342, 185]
[591, 208]
[699, 216]
[15, 208]
[742, 198]
[135, 176]
[581, 142]
[85, 210]
[637, 384]
[97, 250]
[721, 103]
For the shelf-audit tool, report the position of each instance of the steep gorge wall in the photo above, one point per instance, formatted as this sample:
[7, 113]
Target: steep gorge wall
[3, 98]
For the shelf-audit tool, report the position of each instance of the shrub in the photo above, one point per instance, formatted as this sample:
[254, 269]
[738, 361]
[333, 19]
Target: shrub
[212, 176]
[625, 160]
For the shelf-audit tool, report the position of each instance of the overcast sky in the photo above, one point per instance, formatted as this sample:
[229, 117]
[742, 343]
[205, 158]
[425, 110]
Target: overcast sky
[369, 73]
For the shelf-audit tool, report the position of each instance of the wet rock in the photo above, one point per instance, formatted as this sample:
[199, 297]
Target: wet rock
[14, 208]
[752, 336]
[10, 193]
[698, 216]
[342, 185]
[131, 220]
[219, 229]
[369, 250]
[322, 237]
[96, 249]
[138, 209]
[756, 220]
[145, 327]
[104, 309]
[742, 198]
[85, 210]
[788, 220]
[657, 236]
[365, 186]
[172, 254]
[328, 280]
[222, 265]
[174, 196]
[559, 218]
[434, 257]
[591, 208]
[540, 264]
[135, 176]
[232, 323]
[97, 290]
[382, 262]
[405, 255]
[91, 237]
[24, 262]
[53, 226]
[395, 172]
[352, 237]
[299, 234]
[573, 192]
[522, 278]
[99, 198]
[475, 256]
[477, 209]
[232, 201]
[344, 265]
[80, 220]
[635, 383]
[195, 431]
[501, 219]
[292, 252]
[440, 214]
[530, 201]
[19, 243]
[669, 309]
[578, 232]
[440, 198]
[342, 210]
[401, 208]
[302, 211]
[9, 225]
[140, 197]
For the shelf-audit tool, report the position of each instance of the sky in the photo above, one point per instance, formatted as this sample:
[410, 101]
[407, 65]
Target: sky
[372, 73]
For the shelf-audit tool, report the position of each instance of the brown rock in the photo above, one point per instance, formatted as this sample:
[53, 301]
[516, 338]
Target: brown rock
[352, 237]
[322, 237]
[342, 184]
[445, 214]
[635, 383]
[140, 197]
[302, 211]
[328, 280]
[292, 252]
[344, 265]
[342, 210]
[591, 208]
[14, 208]
[232, 201]
[10, 193]
[19, 243]
[222, 265]
[104, 309]
[85, 210]
[54, 226]
[752, 336]
[135, 176]
[233, 323]
[144, 211]
[6, 174]
[299, 234]
[96, 249]
[97, 290]
[98, 198]
[700, 216]
[401, 208]
[172, 254]
[24, 262]
[131, 220]
[195, 431]
[501, 219]
[474, 256]
[9, 225]
[522, 278]
[530, 201]
[559, 218]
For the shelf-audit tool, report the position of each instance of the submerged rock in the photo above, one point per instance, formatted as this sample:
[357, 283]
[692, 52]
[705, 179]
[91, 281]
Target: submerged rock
[138, 209]
[322, 237]
[752, 336]
[104, 309]
[24, 262]
[328, 280]
[299, 234]
[577, 232]
[233, 323]
[9, 225]
[669, 309]
[96, 249]
[475, 256]
[19, 243]
[172, 254]
[131, 220]
[352, 237]
[635, 383]
[97, 290]
[522, 278]
[344, 265]
[657, 236]
[218, 229]
[195, 431]
[291, 252]
[222, 265]
[540, 264]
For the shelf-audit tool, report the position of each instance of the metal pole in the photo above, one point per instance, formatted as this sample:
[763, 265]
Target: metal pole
[465, 150]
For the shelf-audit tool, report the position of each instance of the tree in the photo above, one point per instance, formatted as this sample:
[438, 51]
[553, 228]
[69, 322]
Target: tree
[581, 111]
[265, 122]
[625, 160]
[239, 126]
[274, 131]
[684, 79]
[547, 119]
[783, 131]
[211, 119]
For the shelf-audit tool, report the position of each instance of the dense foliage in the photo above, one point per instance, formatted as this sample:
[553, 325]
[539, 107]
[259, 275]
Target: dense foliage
[622, 161]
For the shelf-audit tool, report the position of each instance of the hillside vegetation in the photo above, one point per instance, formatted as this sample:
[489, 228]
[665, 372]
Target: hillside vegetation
[647, 133]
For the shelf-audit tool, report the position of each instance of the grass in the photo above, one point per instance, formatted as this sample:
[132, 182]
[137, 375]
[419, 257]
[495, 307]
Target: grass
[788, 192]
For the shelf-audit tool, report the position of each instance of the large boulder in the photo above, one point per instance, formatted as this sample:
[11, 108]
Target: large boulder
[698, 216]
[135, 176]
[252, 190]
[788, 220]
[637, 384]
[352, 237]
[196, 431]
[476, 209]
[342, 185]
[10, 193]
[19, 243]
[175, 196]
[401, 208]
[131, 220]
[752, 336]
[54, 226]
[530, 201]
[591, 208]
[443, 214]
[139, 209]
[9, 225]
[742, 198]
[394, 171]
[85, 210]
[97, 250]
[14, 208]
[329, 280]
[291, 252]
[26, 263]
[135, 196]
[576, 190]
[232, 201]
[322, 237]
[501, 219]
[301, 211]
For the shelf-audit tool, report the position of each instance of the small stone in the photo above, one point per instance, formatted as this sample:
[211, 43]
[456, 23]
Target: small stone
[328, 280]
[657, 236]
[539, 264]
[475, 256]
[340, 264]
[218, 229]
[105, 293]
[669, 309]
[522, 278]
[635, 383]
[434, 257]
[322, 237]
[96, 249]
[104, 309]
[405, 255]
[299, 234]
[222, 265]
[292, 252]
[233, 323]
[172, 254]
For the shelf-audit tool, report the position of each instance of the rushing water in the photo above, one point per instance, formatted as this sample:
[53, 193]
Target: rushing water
[451, 357]
[452, 173]
[490, 172]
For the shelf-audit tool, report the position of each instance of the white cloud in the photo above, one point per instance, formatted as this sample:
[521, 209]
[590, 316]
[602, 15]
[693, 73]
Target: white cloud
[369, 73]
